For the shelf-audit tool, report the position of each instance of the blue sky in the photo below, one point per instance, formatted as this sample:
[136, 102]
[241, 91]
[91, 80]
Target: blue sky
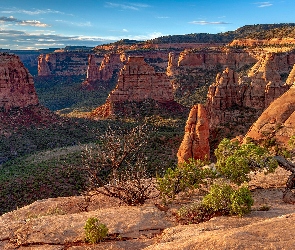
[33, 24]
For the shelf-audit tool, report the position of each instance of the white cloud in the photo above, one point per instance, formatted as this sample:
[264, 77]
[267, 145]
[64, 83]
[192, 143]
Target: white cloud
[16, 21]
[163, 17]
[31, 12]
[14, 39]
[263, 4]
[207, 23]
[33, 23]
[125, 30]
[126, 6]
[79, 24]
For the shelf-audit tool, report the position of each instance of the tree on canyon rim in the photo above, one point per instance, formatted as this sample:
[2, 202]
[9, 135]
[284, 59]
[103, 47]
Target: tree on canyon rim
[117, 165]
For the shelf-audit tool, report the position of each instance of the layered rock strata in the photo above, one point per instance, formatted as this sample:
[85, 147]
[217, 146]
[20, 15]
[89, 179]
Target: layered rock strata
[43, 68]
[109, 67]
[16, 84]
[195, 144]
[230, 94]
[277, 121]
[64, 63]
[137, 82]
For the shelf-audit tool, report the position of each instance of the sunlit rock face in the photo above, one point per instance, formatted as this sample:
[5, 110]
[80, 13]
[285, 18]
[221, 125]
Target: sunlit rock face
[277, 121]
[16, 84]
[138, 82]
[195, 144]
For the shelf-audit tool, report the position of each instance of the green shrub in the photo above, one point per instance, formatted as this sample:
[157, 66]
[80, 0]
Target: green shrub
[193, 214]
[235, 161]
[221, 200]
[226, 200]
[189, 175]
[95, 231]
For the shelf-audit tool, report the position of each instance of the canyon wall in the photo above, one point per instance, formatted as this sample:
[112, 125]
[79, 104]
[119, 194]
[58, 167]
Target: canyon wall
[277, 121]
[137, 82]
[239, 99]
[16, 84]
[109, 67]
[65, 63]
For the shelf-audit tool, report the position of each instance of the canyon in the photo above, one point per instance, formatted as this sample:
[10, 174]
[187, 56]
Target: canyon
[249, 92]
[19, 104]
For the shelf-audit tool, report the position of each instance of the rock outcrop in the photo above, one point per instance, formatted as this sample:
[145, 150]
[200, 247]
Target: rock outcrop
[277, 121]
[137, 82]
[108, 69]
[266, 84]
[110, 64]
[19, 104]
[291, 78]
[58, 223]
[208, 59]
[16, 84]
[262, 42]
[195, 144]
[92, 74]
[43, 67]
[64, 63]
[230, 96]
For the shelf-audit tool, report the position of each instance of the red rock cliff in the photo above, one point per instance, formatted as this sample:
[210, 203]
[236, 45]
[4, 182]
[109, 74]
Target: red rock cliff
[137, 82]
[63, 64]
[195, 143]
[16, 84]
[277, 121]
[109, 66]
[230, 95]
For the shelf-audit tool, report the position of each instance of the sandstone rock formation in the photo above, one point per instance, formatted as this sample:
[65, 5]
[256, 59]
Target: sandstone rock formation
[211, 58]
[61, 229]
[291, 78]
[16, 84]
[58, 223]
[137, 82]
[266, 83]
[225, 104]
[19, 104]
[92, 74]
[277, 121]
[64, 63]
[195, 144]
[43, 67]
[111, 63]
[258, 42]
[230, 96]
[109, 67]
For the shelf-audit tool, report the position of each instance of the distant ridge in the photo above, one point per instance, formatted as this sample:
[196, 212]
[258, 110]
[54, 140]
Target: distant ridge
[255, 31]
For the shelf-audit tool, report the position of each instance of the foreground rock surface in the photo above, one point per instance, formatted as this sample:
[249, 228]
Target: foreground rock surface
[52, 225]
[57, 224]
